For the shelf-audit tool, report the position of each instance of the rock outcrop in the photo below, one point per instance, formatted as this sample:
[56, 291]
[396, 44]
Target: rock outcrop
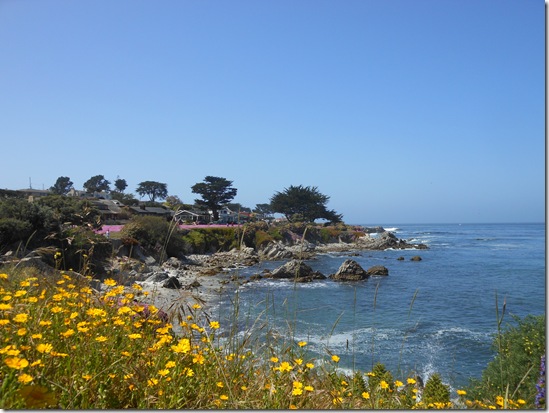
[384, 241]
[350, 270]
[296, 270]
[377, 270]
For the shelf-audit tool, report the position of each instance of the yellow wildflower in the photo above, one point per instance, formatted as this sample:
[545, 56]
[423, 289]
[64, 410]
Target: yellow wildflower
[21, 318]
[24, 378]
[309, 388]
[3, 276]
[4, 322]
[335, 358]
[101, 339]
[16, 363]
[411, 381]
[45, 323]
[214, 324]
[124, 310]
[274, 359]
[96, 312]
[197, 306]
[365, 395]
[44, 348]
[86, 376]
[135, 336]
[164, 372]
[152, 382]
[67, 333]
[398, 383]
[310, 365]
[183, 346]
[302, 343]
[383, 384]
[20, 293]
[170, 364]
[298, 362]
[110, 282]
[199, 358]
[461, 392]
[285, 366]
[21, 331]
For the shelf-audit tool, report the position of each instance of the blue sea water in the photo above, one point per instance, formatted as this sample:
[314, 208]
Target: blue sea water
[435, 315]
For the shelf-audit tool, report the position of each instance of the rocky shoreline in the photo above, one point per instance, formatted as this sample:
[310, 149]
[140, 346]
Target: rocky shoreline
[202, 278]
[178, 283]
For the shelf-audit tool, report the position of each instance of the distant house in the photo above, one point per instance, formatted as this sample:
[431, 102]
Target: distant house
[84, 194]
[110, 210]
[184, 215]
[34, 193]
[151, 211]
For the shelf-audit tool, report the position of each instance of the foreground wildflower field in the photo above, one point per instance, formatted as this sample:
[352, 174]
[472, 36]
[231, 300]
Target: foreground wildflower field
[65, 345]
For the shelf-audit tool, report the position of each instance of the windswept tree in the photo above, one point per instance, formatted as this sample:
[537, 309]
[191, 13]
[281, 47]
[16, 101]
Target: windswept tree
[154, 190]
[97, 183]
[263, 209]
[62, 186]
[120, 185]
[173, 202]
[298, 203]
[215, 193]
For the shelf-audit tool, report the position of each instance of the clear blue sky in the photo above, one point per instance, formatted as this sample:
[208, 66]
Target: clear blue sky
[401, 111]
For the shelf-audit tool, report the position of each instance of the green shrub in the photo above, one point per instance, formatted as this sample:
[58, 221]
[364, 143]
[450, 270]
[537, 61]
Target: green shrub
[155, 234]
[206, 240]
[435, 391]
[262, 238]
[516, 364]
[84, 250]
[13, 230]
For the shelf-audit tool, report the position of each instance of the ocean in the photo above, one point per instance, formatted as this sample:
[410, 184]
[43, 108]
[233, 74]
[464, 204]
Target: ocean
[434, 315]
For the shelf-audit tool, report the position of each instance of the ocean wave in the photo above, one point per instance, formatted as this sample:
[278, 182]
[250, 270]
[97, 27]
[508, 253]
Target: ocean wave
[393, 229]
[462, 332]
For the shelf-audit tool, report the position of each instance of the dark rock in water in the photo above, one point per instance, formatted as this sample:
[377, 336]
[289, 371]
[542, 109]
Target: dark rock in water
[293, 269]
[415, 258]
[256, 277]
[400, 259]
[173, 283]
[377, 270]
[350, 270]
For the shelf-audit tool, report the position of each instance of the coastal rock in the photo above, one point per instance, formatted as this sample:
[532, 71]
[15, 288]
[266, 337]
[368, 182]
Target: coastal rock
[377, 270]
[295, 269]
[173, 283]
[350, 270]
[158, 277]
[275, 251]
[386, 240]
[415, 258]
[172, 262]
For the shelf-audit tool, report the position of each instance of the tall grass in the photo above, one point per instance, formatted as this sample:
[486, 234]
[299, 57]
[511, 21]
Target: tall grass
[65, 345]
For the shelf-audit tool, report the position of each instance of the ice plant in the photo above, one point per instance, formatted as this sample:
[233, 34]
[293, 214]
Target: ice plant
[540, 386]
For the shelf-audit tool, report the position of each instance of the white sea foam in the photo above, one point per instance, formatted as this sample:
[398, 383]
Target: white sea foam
[393, 229]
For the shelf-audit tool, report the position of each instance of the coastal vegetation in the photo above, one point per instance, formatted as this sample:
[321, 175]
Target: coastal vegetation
[65, 345]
